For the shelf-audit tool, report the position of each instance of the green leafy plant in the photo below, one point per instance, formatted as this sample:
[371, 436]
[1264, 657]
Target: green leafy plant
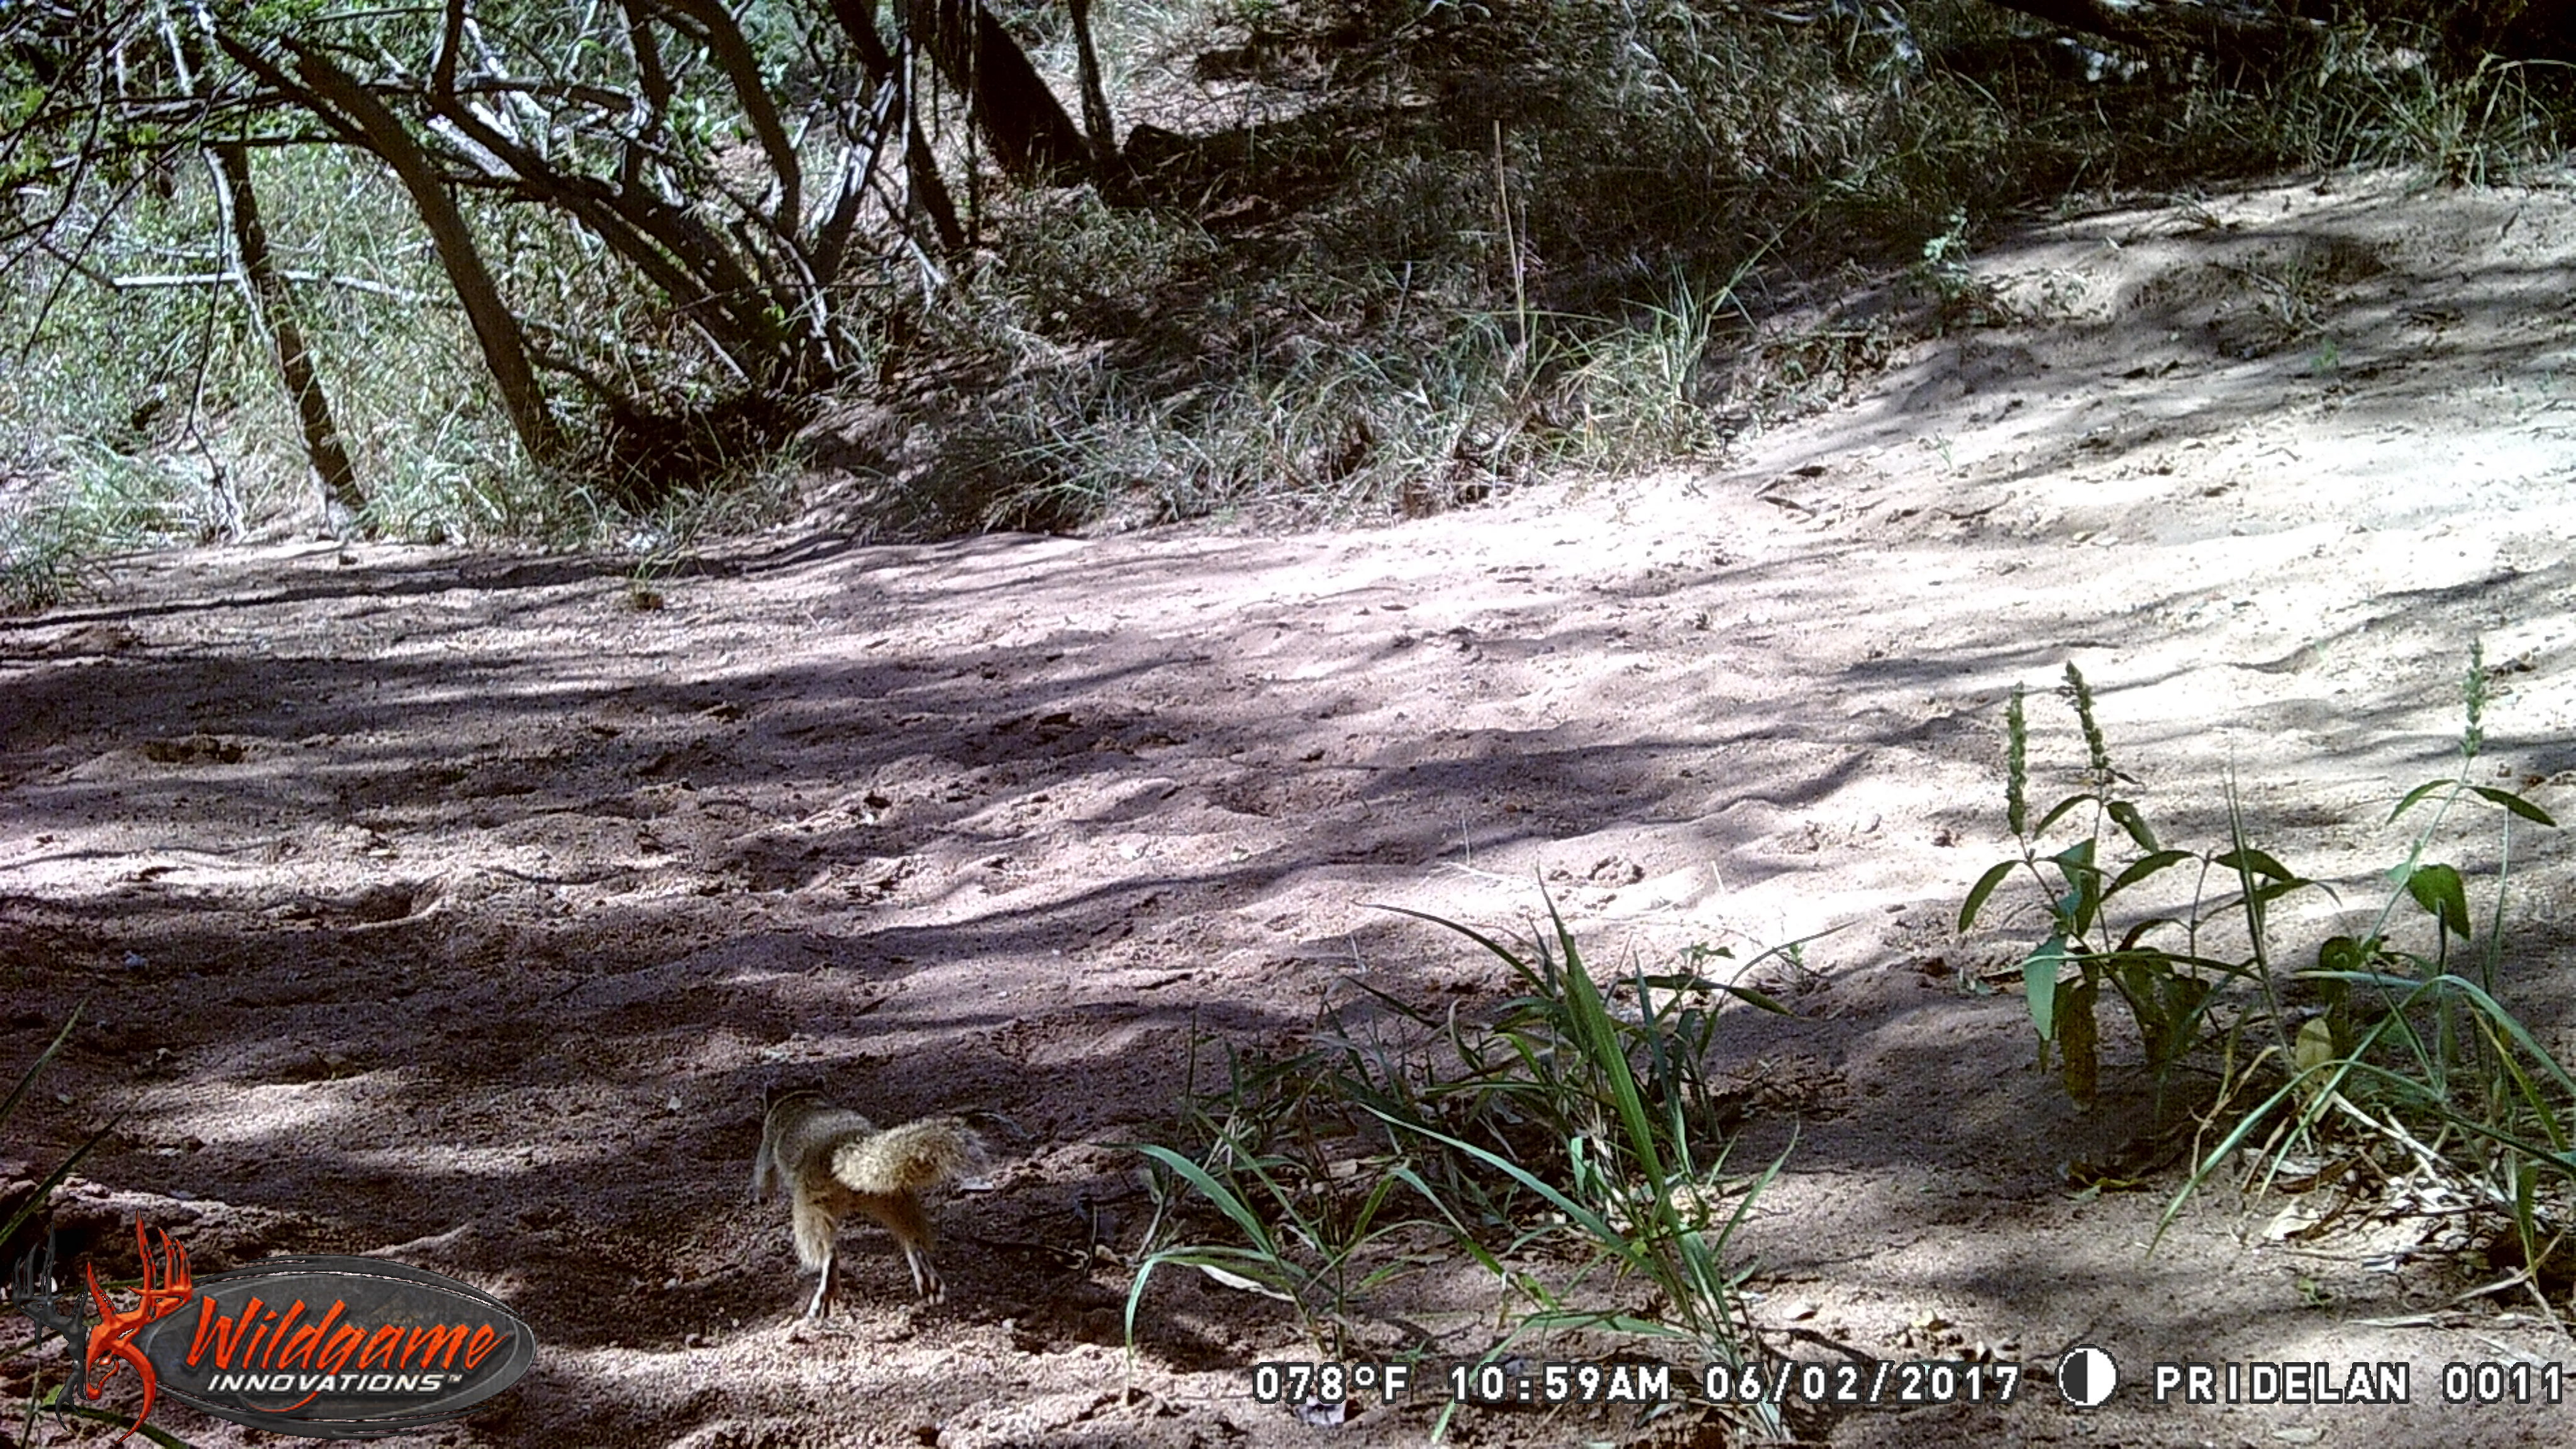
[2168, 988]
[2405, 1051]
[2417, 1057]
[1943, 273]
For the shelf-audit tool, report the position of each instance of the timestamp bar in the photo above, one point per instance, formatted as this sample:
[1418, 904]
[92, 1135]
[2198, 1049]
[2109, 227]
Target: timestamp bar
[1514, 1382]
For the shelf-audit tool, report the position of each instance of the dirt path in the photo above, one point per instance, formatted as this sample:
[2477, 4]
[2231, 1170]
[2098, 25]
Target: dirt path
[445, 907]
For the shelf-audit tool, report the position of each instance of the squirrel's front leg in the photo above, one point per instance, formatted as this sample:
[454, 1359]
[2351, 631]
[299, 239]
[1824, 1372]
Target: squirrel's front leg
[925, 1278]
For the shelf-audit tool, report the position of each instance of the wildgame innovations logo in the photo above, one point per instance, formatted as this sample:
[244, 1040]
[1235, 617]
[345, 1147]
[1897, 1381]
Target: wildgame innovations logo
[329, 1347]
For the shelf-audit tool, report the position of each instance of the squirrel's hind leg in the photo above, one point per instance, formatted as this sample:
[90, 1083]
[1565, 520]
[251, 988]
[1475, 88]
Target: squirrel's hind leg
[828, 1288]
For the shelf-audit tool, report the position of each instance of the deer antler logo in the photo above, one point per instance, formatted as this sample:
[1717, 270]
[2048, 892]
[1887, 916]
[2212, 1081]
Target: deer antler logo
[35, 1292]
[113, 1339]
[396, 1347]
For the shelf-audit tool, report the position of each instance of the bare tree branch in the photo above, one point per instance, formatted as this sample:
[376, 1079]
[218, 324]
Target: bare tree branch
[339, 101]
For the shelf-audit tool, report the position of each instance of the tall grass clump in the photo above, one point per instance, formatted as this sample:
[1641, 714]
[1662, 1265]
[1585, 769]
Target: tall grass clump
[1566, 1147]
[1612, 238]
[147, 410]
[153, 411]
[1353, 258]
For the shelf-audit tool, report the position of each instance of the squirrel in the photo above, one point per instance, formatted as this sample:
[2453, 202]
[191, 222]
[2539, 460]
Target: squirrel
[835, 1161]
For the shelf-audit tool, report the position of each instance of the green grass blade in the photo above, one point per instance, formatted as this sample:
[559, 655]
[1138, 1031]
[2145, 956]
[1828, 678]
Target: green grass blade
[1592, 1223]
[44, 1192]
[43, 1059]
[52, 1404]
[1226, 1199]
[1470, 932]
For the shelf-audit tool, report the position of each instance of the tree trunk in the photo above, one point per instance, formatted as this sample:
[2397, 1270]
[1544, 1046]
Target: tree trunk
[733, 53]
[272, 310]
[1031, 136]
[337, 100]
[1033, 139]
[1095, 100]
[746, 319]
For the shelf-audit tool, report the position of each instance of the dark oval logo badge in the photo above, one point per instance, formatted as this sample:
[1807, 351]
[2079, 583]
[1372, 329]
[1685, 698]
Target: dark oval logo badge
[334, 1347]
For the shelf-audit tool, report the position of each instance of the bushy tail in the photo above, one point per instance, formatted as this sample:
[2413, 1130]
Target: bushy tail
[908, 1158]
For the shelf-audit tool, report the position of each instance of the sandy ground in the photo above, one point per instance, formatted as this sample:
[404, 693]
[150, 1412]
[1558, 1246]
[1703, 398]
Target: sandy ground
[442, 906]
